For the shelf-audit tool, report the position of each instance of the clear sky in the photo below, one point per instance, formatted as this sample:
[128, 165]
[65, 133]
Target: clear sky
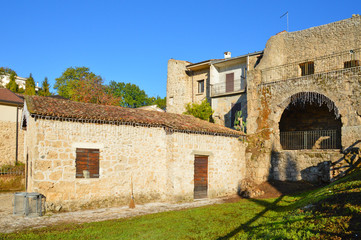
[131, 41]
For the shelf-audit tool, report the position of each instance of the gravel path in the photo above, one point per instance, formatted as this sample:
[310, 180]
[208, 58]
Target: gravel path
[10, 223]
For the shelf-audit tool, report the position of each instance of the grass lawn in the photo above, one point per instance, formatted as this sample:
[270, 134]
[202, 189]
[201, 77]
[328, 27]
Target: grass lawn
[331, 212]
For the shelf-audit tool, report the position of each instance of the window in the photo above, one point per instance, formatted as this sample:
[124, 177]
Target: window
[230, 82]
[352, 63]
[87, 163]
[307, 68]
[201, 86]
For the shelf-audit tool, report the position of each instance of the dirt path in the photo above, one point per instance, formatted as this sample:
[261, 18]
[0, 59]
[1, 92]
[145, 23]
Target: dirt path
[10, 223]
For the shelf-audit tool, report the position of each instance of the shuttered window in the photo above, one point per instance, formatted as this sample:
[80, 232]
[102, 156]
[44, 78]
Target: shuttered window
[307, 68]
[230, 82]
[87, 161]
[352, 63]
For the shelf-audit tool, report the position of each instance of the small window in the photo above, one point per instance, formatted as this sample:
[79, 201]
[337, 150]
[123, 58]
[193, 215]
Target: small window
[352, 63]
[201, 86]
[307, 68]
[87, 163]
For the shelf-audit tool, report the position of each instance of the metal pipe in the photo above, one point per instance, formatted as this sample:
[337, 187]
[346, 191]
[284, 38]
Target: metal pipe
[17, 135]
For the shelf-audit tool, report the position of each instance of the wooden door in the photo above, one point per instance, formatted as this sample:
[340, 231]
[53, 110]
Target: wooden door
[200, 176]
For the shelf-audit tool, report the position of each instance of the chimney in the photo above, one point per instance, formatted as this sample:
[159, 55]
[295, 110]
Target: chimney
[227, 55]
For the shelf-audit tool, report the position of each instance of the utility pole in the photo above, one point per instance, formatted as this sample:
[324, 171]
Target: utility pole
[287, 19]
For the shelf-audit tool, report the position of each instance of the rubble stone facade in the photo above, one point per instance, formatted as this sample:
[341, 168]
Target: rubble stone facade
[278, 78]
[159, 164]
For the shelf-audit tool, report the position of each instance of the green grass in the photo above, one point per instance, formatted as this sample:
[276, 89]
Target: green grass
[333, 212]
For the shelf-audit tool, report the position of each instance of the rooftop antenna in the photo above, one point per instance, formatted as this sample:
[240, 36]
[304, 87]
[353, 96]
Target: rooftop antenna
[286, 13]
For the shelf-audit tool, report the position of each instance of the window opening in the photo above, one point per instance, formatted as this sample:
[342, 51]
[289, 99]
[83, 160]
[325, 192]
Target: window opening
[201, 86]
[87, 163]
[307, 68]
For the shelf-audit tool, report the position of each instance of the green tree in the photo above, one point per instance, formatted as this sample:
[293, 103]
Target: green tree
[30, 86]
[5, 70]
[12, 85]
[44, 91]
[203, 110]
[91, 90]
[131, 95]
[160, 102]
[69, 79]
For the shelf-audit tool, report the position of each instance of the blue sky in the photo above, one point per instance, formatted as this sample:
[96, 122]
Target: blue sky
[131, 41]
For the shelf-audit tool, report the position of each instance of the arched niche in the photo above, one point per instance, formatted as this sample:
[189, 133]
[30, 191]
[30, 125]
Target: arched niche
[310, 121]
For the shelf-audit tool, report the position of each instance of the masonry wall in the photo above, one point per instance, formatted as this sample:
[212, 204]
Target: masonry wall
[158, 164]
[272, 84]
[179, 86]
[8, 136]
[195, 77]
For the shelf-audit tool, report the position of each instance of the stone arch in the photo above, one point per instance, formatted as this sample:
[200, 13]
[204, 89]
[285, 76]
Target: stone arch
[309, 120]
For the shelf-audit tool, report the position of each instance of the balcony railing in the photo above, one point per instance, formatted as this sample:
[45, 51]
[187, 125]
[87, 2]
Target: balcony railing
[337, 62]
[218, 89]
[318, 139]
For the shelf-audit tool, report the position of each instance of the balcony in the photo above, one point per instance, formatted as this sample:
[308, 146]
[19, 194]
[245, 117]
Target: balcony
[222, 89]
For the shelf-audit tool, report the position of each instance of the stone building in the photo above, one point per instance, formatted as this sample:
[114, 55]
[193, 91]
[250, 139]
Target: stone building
[81, 154]
[304, 102]
[12, 138]
[222, 82]
[301, 99]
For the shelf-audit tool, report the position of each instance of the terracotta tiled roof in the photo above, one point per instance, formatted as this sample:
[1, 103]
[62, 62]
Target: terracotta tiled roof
[46, 106]
[8, 96]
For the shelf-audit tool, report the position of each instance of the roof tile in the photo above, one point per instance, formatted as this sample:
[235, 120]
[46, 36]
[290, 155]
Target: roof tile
[47, 106]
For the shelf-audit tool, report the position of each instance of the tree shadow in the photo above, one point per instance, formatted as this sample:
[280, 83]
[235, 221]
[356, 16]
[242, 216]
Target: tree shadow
[268, 207]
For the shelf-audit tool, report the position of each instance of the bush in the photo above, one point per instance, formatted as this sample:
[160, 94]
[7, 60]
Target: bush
[202, 111]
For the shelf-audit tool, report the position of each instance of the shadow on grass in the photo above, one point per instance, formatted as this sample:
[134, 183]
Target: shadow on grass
[269, 206]
[323, 212]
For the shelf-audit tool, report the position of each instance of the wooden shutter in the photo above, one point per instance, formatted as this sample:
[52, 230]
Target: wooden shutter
[230, 82]
[200, 176]
[87, 159]
[352, 63]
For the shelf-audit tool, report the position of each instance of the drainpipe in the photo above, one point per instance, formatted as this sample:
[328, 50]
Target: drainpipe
[17, 134]
[191, 72]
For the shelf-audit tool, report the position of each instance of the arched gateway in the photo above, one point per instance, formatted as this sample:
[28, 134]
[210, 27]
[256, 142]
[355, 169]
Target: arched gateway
[310, 121]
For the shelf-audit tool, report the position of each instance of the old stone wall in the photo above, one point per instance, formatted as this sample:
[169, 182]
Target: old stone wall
[277, 78]
[287, 47]
[197, 76]
[160, 165]
[179, 86]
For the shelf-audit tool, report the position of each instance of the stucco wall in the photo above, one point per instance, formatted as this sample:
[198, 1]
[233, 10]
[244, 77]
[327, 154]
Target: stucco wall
[160, 163]
[8, 136]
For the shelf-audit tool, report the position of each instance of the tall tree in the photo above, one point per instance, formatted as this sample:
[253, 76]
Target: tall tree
[132, 96]
[12, 85]
[44, 91]
[69, 79]
[91, 90]
[5, 70]
[30, 86]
